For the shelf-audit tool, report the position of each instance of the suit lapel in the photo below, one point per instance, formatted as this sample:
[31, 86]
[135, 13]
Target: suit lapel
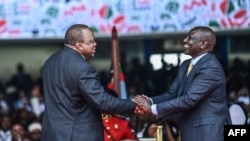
[187, 79]
[183, 77]
[196, 67]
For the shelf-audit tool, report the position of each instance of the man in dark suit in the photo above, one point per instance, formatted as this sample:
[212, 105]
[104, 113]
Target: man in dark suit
[198, 97]
[74, 96]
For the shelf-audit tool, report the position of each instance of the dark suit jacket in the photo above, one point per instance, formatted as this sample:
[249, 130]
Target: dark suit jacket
[75, 98]
[199, 99]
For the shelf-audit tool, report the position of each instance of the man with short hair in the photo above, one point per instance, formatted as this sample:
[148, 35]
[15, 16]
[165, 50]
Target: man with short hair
[74, 96]
[198, 93]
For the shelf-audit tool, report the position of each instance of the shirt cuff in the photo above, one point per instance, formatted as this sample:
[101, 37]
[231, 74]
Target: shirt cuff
[153, 109]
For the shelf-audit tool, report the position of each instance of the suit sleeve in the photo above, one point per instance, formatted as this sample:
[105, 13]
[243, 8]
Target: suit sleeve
[94, 93]
[206, 80]
[174, 88]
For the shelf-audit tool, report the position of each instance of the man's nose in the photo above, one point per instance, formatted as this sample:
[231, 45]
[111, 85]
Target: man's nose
[185, 40]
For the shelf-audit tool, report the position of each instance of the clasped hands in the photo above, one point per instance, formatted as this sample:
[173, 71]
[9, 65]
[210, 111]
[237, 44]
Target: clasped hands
[143, 104]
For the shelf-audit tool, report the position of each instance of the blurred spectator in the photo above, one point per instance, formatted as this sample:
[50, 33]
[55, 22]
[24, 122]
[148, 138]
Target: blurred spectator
[21, 80]
[238, 114]
[5, 130]
[11, 95]
[39, 81]
[134, 73]
[148, 85]
[36, 100]
[150, 130]
[22, 102]
[240, 106]
[23, 117]
[35, 129]
[4, 106]
[160, 78]
[243, 98]
[238, 67]
[138, 124]
[170, 130]
[116, 127]
[18, 133]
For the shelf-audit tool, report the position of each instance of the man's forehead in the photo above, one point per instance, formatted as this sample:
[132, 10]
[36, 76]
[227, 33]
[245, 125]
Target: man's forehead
[87, 32]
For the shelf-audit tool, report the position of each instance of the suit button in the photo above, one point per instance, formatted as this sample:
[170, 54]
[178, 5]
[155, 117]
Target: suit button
[108, 128]
[109, 136]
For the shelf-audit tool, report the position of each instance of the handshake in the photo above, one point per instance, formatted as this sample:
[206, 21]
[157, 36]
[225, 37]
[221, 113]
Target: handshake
[143, 104]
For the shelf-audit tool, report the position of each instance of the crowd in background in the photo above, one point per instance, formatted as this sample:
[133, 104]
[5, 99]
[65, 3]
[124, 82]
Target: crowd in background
[22, 105]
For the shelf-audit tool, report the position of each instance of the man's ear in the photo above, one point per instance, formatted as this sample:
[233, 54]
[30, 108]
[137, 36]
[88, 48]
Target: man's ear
[79, 46]
[204, 44]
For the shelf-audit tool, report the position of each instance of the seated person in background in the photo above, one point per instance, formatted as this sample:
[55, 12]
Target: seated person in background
[170, 130]
[150, 130]
[138, 124]
[240, 108]
[116, 127]
[238, 115]
[5, 128]
[18, 133]
[35, 131]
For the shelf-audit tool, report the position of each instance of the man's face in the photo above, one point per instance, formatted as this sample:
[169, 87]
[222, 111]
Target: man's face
[36, 134]
[17, 132]
[193, 43]
[88, 46]
[6, 123]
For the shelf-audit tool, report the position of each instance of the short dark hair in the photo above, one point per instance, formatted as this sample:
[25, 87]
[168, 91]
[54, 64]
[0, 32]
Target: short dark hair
[74, 34]
[208, 33]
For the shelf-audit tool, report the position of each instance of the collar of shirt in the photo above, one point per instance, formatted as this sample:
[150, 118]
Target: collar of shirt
[195, 60]
[83, 57]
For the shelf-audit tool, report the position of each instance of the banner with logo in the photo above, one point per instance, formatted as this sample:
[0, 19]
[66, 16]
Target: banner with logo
[50, 18]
